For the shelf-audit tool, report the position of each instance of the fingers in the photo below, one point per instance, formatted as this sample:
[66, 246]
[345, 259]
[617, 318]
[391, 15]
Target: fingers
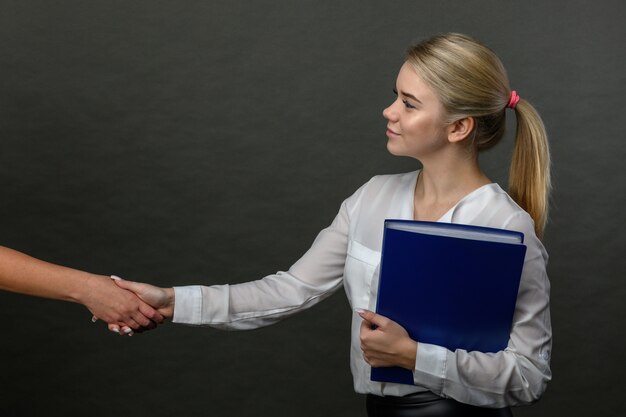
[146, 316]
[121, 330]
[371, 333]
[160, 299]
[151, 313]
[125, 330]
[123, 311]
[133, 324]
[114, 328]
[144, 324]
[119, 303]
[384, 342]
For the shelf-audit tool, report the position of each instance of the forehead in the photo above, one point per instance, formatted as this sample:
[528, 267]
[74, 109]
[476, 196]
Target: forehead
[409, 82]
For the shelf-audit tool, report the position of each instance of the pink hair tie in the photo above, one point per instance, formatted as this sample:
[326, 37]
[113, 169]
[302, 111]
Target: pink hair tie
[513, 100]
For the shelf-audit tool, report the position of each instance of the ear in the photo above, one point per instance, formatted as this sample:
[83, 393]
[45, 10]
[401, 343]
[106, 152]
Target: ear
[460, 129]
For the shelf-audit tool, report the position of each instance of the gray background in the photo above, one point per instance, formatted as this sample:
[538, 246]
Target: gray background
[204, 142]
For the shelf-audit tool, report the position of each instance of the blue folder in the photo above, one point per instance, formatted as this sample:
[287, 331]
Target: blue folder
[450, 285]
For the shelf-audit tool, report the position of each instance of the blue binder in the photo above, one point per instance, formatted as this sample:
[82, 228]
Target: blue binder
[449, 284]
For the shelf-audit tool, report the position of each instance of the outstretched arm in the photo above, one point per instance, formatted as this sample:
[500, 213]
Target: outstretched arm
[27, 275]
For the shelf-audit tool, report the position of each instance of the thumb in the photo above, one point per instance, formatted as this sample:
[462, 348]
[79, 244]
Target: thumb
[128, 285]
[370, 316]
[157, 297]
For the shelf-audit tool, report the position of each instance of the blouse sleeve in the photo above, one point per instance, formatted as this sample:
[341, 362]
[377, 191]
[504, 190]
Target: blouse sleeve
[519, 374]
[314, 277]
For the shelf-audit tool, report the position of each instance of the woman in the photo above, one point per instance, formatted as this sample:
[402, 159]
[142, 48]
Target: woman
[452, 96]
[24, 274]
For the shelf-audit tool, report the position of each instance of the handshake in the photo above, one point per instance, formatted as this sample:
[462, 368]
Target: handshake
[128, 307]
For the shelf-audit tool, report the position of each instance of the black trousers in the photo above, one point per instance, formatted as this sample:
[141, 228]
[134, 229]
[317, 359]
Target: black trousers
[427, 404]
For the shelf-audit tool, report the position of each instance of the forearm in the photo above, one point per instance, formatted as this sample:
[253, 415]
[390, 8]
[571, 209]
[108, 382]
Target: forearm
[24, 274]
[248, 305]
[27, 275]
[482, 379]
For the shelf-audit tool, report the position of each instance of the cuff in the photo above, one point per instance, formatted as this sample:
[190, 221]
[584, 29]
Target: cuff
[430, 366]
[187, 304]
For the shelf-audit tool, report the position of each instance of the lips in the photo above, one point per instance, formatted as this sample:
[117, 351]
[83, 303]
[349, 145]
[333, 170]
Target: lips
[391, 132]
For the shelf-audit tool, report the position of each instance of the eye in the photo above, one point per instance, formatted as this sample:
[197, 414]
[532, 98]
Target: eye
[407, 104]
[404, 101]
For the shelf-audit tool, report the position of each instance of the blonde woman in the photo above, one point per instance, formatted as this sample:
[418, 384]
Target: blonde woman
[452, 100]
[21, 273]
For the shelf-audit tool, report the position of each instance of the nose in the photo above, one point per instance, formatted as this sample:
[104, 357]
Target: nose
[390, 113]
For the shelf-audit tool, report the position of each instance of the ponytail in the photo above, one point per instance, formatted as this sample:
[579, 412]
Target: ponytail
[529, 175]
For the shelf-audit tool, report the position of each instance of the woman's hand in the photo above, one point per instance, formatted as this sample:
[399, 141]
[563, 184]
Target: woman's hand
[385, 343]
[117, 306]
[162, 299]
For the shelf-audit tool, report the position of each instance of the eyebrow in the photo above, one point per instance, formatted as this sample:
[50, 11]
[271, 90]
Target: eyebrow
[411, 96]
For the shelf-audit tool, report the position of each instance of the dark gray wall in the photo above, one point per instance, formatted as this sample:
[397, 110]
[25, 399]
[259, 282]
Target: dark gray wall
[184, 142]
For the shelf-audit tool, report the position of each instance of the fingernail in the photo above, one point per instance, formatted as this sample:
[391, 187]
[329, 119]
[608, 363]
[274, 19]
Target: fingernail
[116, 277]
[127, 331]
[116, 330]
[359, 310]
[94, 319]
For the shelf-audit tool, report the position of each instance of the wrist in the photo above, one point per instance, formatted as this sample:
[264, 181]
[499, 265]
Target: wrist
[168, 309]
[83, 288]
[409, 354]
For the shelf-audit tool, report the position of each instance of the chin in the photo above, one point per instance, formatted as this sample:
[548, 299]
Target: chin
[394, 150]
[391, 149]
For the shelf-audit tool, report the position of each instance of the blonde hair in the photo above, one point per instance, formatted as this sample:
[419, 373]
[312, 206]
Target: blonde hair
[471, 81]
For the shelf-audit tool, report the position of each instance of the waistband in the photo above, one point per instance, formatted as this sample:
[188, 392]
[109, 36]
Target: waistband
[427, 404]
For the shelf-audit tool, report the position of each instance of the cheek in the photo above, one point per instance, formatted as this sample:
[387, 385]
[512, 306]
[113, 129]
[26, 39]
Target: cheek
[420, 130]
[429, 127]
[420, 137]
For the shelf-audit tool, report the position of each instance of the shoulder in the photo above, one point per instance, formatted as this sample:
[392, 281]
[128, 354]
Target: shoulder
[382, 195]
[491, 206]
[390, 182]
[383, 187]
[393, 179]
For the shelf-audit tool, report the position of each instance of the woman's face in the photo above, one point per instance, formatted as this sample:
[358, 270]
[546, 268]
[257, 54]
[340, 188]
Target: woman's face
[415, 124]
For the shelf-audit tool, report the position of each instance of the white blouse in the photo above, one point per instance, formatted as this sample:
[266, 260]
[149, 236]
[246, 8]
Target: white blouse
[348, 253]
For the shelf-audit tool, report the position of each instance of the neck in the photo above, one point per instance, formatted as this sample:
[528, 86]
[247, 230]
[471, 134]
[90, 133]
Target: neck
[438, 182]
[443, 183]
